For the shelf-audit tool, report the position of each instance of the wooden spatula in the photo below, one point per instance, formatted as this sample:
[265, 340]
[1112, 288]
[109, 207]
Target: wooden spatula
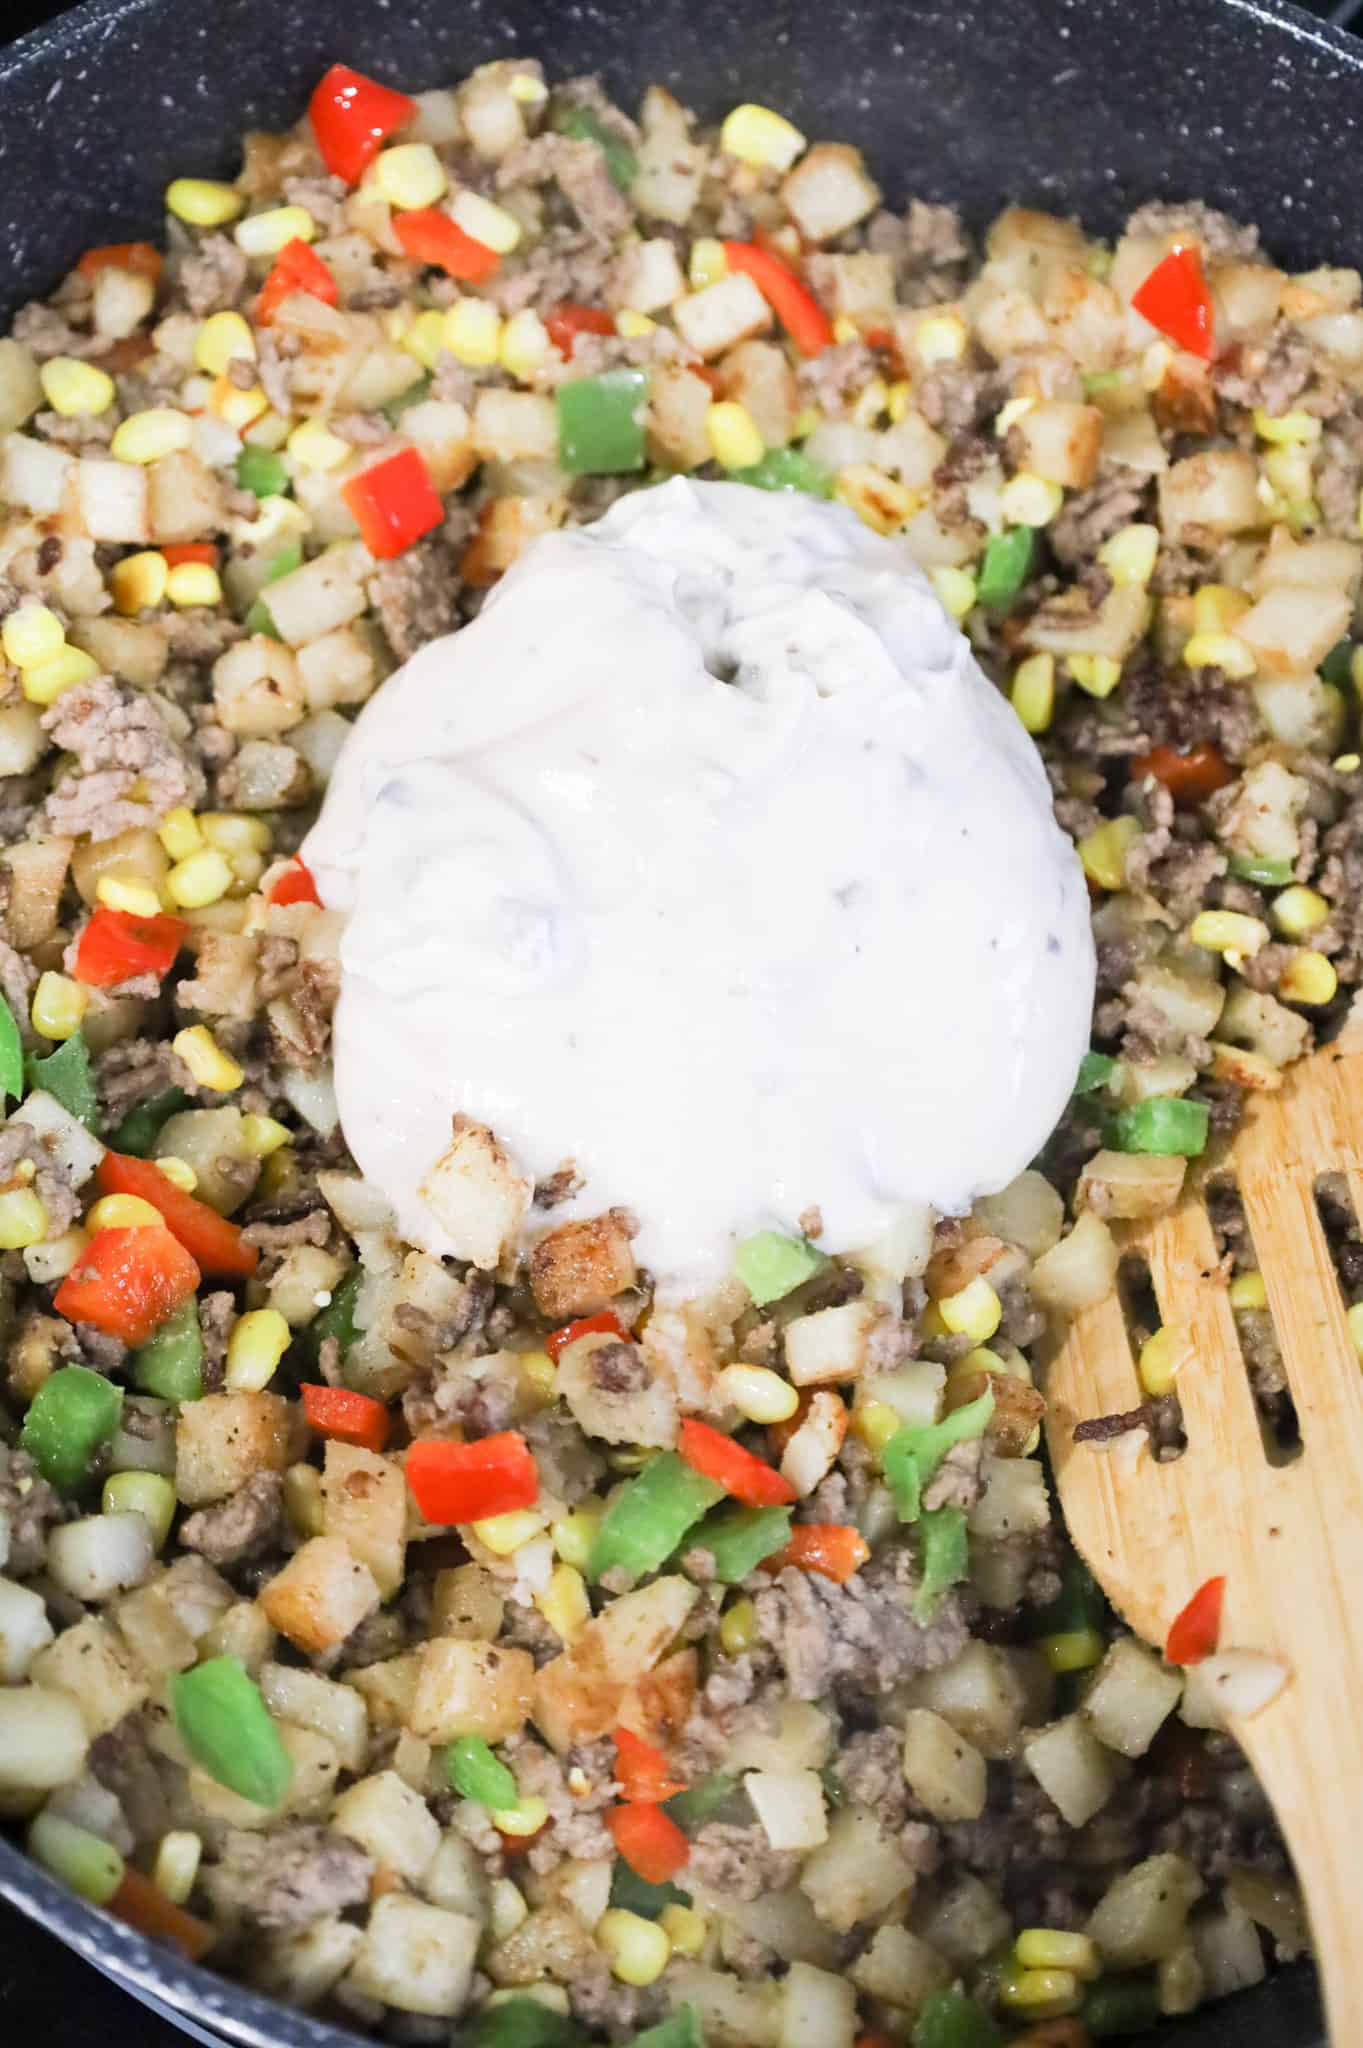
[1288, 1537]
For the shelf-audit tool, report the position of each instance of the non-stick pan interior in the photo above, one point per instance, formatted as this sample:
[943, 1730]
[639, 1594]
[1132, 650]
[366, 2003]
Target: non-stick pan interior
[1081, 106]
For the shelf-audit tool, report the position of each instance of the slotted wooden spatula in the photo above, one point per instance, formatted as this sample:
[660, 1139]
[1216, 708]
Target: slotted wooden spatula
[1288, 1537]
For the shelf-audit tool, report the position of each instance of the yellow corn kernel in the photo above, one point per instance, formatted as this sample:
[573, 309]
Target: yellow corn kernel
[123, 1212]
[303, 1502]
[755, 135]
[1129, 555]
[974, 1312]
[707, 263]
[1040, 1994]
[177, 1864]
[574, 1535]
[194, 583]
[32, 635]
[179, 1172]
[1347, 764]
[941, 339]
[179, 833]
[206, 1060]
[806, 420]
[1228, 931]
[258, 1341]
[1220, 650]
[1309, 978]
[224, 338]
[898, 399]
[409, 176]
[487, 222]
[200, 878]
[1354, 1318]
[564, 1603]
[875, 1422]
[130, 893]
[878, 500]
[148, 436]
[473, 333]
[76, 389]
[1247, 1291]
[1049, 1948]
[1288, 470]
[956, 588]
[525, 347]
[735, 440]
[262, 1135]
[23, 1219]
[138, 582]
[47, 680]
[1216, 607]
[1096, 674]
[637, 1949]
[1033, 692]
[148, 1494]
[1299, 911]
[423, 337]
[845, 328]
[685, 1928]
[265, 234]
[526, 1817]
[1077, 1649]
[738, 1628]
[1162, 1358]
[528, 90]
[1103, 851]
[759, 1394]
[58, 1005]
[314, 446]
[1028, 500]
[234, 832]
[538, 1367]
[237, 408]
[504, 1534]
[203, 202]
[1288, 428]
[634, 326]
[1009, 415]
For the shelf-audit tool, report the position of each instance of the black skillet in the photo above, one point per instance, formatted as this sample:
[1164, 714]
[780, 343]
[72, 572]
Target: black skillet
[1082, 106]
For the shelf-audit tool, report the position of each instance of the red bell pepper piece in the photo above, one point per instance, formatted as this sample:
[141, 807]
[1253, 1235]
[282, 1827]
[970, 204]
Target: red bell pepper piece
[191, 551]
[429, 236]
[585, 1326]
[1189, 778]
[643, 1772]
[393, 502]
[468, 1482]
[145, 1906]
[798, 311]
[345, 1417]
[1175, 299]
[649, 1840]
[351, 115]
[215, 1244]
[126, 1282]
[746, 1477]
[116, 946]
[295, 885]
[564, 323]
[832, 1549]
[138, 257]
[296, 268]
[1194, 1632]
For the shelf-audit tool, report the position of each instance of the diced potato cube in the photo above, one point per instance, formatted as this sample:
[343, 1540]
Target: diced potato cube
[861, 285]
[646, 276]
[1141, 1917]
[312, 1782]
[900, 1968]
[1060, 441]
[1131, 1697]
[44, 1739]
[732, 2014]
[1080, 1270]
[475, 1195]
[365, 1498]
[1072, 1768]
[980, 1694]
[471, 1688]
[456, 1880]
[390, 1820]
[579, 1696]
[812, 1451]
[1014, 1501]
[966, 1923]
[789, 1804]
[818, 2009]
[306, 1964]
[222, 1440]
[579, 1268]
[323, 594]
[671, 165]
[465, 1602]
[1214, 493]
[829, 191]
[416, 1957]
[514, 426]
[946, 1774]
[24, 1630]
[758, 375]
[1130, 1185]
[1292, 630]
[111, 500]
[323, 1593]
[802, 1740]
[152, 1630]
[1228, 1949]
[307, 1699]
[388, 1688]
[37, 874]
[678, 415]
[644, 1414]
[197, 1594]
[722, 314]
[833, 1343]
[90, 1663]
[185, 501]
[857, 1873]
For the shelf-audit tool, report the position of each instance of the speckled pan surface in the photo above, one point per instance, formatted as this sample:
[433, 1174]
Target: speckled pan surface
[1085, 106]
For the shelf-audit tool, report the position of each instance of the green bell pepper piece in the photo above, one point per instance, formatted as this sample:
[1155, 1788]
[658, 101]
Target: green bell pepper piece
[945, 1558]
[262, 471]
[681, 2029]
[228, 1730]
[912, 1455]
[634, 1894]
[599, 429]
[771, 1265]
[1269, 874]
[1096, 1070]
[73, 1412]
[1121, 2005]
[170, 1363]
[622, 165]
[66, 1075]
[786, 469]
[141, 1127]
[951, 2020]
[1079, 1605]
[521, 2023]
[738, 1539]
[698, 1803]
[11, 1054]
[649, 1517]
[1335, 667]
[260, 619]
[475, 1773]
[1164, 1124]
[337, 1319]
[1006, 566]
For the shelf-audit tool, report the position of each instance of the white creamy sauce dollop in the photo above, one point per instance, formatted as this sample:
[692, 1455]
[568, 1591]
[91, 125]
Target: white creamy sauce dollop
[706, 858]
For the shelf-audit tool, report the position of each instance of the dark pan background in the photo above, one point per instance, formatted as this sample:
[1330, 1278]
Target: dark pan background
[47, 1994]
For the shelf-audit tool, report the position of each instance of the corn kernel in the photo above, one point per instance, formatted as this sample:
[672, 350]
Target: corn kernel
[1347, 764]
[148, 1494]
[1288, 470]
[1162, 1358]
[1247, 1291]
[974, 1312]
[473, 333]
[634, 326]
[526, 1817]
[265, 234]
[75, 389]
[202, 877]
[898, 399]
[504, 1534]
[956, 588]
[525, 346]
[23, 1219]
[806, 420]
[1299, 911]
[539, 1369]
[234, 832]
[738, 1628]
[179, 1172]
[258, 1341]
[138, 582]
[878, 500]
[735, 441]
[179, 833]
[1309, 978]
[845, 329]
[237, 408]
[707, 263]
[574, 1535]
[1216, 607]
[1033, 692]
[148, 436]
[203, 202]
[130, 893]
[314, 446]
[1103, 851]
[423, 338]
[410, 175]
[303, 1502]
[1096, 674]
[1049, 1948]
[32, 635]
[206, 1060]
[942, 339]
[487, 222]
[637, 1949]
[685, 1928]
[58, 1005]
[177, 1864]
[1228, 931]
[1129, 555]
[564, 1603]
[123, 1212]
[194, 583]
[755, 135]
[1077, 1649]
[875, 1422]
[47, 680]
[759, 1394]
[224, 338]
[262, 1135]
[1039, 1994]
[1009, 415]
[507, 1909]
[1288, 428]
[1028, 500]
